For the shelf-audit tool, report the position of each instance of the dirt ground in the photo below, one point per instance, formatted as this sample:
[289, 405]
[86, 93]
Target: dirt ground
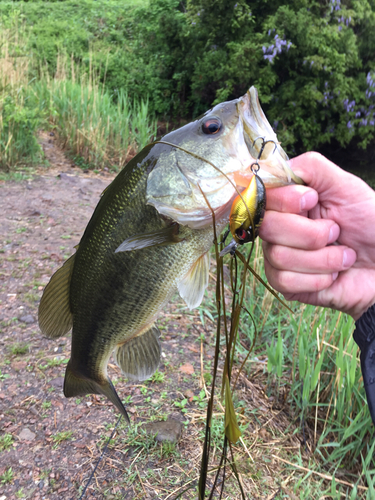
[50, 444]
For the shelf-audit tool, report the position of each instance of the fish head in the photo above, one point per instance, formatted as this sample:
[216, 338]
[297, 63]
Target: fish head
[209, 161]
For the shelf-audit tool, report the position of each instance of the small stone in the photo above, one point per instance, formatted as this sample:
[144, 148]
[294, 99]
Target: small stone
[57, 383]
[187, 368]
[169, 430]
[189, 394]
[28, 319]
[18, 365]
[26, 435]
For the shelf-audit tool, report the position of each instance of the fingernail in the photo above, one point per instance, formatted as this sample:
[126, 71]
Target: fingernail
[349, 258]
[333, 233]
[308, 200]
[334, 276]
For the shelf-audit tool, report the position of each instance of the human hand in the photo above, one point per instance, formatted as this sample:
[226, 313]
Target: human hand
[299, 227]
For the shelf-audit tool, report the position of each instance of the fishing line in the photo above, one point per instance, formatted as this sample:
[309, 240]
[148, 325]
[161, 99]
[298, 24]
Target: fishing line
[100, 458]
[237, 302]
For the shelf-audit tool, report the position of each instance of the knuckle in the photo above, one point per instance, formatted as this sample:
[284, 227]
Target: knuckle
[284, 282]
[333, 260]
[319, 236]
[321, 282]
[276, 255]
[315, 156]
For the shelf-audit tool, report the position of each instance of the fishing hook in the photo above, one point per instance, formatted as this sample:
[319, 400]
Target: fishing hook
[264, 142]
[255, 167]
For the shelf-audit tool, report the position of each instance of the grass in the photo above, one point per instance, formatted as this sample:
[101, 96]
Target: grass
[312, 372]
[308, 361]
[59, 437]
[7, 477]
[19, 348]
[6, 441]
[99, 129]
[19, 114]
[94, 126]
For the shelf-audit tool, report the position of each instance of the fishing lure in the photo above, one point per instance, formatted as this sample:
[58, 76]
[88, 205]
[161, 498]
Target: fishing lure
[246, 214]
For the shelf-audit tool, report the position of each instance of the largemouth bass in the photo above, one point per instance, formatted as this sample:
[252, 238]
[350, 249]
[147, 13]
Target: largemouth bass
[149, 236]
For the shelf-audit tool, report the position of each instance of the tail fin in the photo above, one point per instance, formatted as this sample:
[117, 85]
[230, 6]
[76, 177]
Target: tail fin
[77, 386]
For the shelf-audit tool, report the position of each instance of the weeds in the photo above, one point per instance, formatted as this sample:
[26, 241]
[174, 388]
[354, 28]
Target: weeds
[19, 348]
[98, 128]
[7, 477]
[6, 441]
[3, 376]
[59, 437]
[51, 363]
[20, 116]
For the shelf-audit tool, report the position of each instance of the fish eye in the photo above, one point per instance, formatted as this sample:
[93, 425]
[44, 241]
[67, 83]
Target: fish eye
[241, 234]
[244, 236]
[212, 126]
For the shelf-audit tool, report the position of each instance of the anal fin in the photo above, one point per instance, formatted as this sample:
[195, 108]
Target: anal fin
[139, 357]
[74, 385]
[193, 285]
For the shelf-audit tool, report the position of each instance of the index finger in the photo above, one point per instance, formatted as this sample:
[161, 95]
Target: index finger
[291, 199]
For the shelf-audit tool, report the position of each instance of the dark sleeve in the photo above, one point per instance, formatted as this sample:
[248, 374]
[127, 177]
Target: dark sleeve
[364, 335]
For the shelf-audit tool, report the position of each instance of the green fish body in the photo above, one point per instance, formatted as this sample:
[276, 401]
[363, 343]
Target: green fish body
[148, 238]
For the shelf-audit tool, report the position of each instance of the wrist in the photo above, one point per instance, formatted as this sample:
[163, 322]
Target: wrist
[358, 312]
[364, 334]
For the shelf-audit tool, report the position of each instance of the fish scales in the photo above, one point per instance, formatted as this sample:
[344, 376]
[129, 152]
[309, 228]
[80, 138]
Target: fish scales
[149, 237]
[132, 289]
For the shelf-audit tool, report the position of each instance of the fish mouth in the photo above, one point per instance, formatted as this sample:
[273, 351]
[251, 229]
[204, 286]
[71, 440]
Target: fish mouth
[263, 144]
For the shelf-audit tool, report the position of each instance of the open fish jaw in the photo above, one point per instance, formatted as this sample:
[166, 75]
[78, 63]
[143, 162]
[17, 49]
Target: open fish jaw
[217, 165]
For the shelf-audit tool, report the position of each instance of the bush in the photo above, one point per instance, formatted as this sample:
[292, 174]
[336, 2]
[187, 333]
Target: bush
[308, 60]
[312, 61]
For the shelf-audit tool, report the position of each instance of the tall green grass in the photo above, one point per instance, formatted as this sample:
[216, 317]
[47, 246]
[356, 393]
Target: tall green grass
[99, 128]
[92, 124]
[20, 116]
[313, 370]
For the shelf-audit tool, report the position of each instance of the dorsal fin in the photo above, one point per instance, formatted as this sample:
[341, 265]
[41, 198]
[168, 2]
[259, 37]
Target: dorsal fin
[193, 285]
[54, 315]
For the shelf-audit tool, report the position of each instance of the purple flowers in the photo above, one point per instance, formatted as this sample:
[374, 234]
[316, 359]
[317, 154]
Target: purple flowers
[335, 5]
[344, 20]
[279, 45]
[348, 106]
[364, 115]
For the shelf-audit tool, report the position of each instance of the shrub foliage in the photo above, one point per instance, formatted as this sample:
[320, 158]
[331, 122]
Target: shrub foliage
[311, 60]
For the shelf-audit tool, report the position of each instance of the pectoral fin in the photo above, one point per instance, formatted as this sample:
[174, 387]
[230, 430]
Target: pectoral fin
[140, 356]
[193, 285]
[54, 315]
[165, 236]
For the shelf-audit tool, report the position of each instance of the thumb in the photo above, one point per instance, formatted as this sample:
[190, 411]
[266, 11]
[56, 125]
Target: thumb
[321, 174]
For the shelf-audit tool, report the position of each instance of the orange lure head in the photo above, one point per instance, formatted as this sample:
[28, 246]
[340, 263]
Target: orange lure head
[245, 221]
